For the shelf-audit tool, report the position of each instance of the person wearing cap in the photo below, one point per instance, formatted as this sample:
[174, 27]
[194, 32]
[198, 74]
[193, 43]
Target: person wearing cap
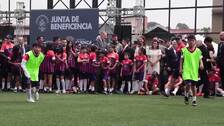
[116, 43]
[30, 64]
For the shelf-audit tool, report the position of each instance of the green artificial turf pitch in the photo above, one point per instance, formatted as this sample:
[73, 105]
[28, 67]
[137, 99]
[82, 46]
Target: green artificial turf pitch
[113, 110]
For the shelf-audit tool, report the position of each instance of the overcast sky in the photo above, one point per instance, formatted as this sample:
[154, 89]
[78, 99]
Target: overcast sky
[182, 16]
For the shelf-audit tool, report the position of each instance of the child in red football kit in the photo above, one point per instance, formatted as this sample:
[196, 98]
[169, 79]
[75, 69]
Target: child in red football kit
[126, 73]
[83, 60]
[140, 61]
[215, 80]
[151, 84]
[114, 60]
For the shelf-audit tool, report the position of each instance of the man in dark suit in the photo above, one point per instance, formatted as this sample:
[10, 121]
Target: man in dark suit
[126, 49]
[207, 66]
[220, 57]
[172, 58]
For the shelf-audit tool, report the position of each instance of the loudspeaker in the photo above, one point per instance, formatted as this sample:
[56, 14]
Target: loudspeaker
[50, 4]
[72, 4]
[6, 30]
[123, 32]
[95, 4]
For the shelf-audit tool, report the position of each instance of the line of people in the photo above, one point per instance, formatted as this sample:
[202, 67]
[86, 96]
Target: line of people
[110, 66]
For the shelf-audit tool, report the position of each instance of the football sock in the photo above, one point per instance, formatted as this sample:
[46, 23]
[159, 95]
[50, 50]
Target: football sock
[122, 86]
[129, 86]
[90, 87]
[93, 88]
[58, 84]
[194, 98]
[186, 94]
[80, 85]
[139, 85]
[8, 85]
[167, 91]
[3, 84]
[41, 84]
[67, 83]
[85, 84]
[63, 84]
[135, 85]
[29, 94]
[175, 90]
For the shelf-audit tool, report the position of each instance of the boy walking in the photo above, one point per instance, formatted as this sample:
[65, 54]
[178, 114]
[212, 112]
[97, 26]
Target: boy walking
[30, 65]
[191, 61]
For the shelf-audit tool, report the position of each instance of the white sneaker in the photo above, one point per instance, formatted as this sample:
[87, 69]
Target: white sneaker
[167, 93]
[63, 91]
[30, 100]
[58, 91]
[173, 93]
[15, 90]
[110, 90]
[132, 92]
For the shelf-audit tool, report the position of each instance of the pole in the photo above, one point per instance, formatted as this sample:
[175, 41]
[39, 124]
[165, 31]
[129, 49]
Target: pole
[195, 19]
[169, 15]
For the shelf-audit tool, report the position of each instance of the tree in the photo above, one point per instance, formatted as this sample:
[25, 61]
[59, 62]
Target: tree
[181, 26]
[206, 29]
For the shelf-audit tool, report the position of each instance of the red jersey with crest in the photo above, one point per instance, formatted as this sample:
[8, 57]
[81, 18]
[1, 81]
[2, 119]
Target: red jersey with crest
[215, 77]
[61, 65]
[84, 66]
[72, 61]
[104, 62]
[47, 65]
[139, 61]
[114, 58]
[126, 67]
[92, 62]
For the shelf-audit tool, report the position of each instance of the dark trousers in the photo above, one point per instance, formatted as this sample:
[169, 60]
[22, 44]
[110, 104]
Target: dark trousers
[222, 76]
[99, 85]
[205, 81]
[163, 79]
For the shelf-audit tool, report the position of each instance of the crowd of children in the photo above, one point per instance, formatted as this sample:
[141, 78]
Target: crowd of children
[70, 67]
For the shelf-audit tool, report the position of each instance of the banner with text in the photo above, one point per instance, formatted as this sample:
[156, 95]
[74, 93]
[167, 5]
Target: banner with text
[82, 24]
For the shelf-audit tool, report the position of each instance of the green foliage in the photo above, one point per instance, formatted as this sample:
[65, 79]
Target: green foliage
[182, 26]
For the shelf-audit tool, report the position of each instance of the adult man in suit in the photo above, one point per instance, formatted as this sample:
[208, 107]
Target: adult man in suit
[126, 49]
[207, 66]
[102, 41]
[172, 58]
[220, 57]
